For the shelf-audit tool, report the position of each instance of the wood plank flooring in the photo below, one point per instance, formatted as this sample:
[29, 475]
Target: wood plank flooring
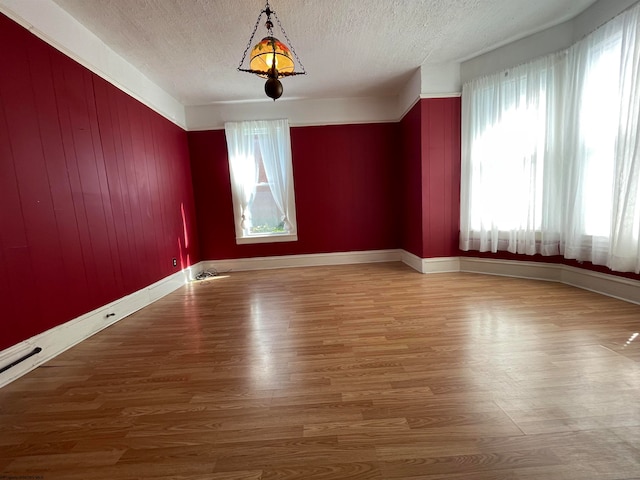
[345, 372]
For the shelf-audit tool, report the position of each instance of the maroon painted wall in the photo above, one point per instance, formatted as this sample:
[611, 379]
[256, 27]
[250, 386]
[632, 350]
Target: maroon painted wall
[411, 181]
[430, 138]
[346, 184]
[440, 136]
[95, 190]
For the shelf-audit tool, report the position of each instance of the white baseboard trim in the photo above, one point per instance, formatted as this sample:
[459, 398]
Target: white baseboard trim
[311, 260]
[411, 260]
[440, 265]
[58, 339]
[512, 268]
[431, 265]
[610, 285]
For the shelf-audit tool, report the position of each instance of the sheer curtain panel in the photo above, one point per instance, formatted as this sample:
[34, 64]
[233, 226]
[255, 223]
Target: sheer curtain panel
[510, 127]
[276, 156]
[261, 172]
[551, 154]
[243, 172]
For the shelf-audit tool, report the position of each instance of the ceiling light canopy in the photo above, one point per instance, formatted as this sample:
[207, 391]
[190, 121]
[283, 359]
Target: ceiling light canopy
[270, 58]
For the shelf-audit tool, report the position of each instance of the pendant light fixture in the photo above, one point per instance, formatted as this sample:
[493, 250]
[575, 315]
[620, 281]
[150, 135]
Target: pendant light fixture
[270, 58]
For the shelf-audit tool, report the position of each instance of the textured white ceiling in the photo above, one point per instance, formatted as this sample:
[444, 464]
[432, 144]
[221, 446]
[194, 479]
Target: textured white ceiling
[349, 48]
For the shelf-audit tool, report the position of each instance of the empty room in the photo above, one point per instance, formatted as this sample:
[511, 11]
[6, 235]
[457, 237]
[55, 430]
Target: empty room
[320, 239]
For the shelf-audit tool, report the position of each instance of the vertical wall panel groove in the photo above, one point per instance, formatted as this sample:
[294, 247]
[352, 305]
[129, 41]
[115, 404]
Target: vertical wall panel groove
[83, 173]
[440, 176]
[345, 180]
[15, 250]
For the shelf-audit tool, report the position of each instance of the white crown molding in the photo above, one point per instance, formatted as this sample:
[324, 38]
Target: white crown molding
[553, 39]
[51, 23]
[597, 15]
[300, 112]
[440, 95]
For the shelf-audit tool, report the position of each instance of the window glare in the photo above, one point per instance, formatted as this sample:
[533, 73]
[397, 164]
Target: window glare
[550, 153]
[260, 168]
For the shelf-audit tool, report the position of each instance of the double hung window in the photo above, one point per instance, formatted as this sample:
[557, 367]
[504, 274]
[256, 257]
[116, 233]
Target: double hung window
[261, 174]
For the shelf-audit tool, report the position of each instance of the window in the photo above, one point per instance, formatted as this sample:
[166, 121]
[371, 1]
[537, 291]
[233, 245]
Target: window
[509, 126]
[551, 153]
[261, 174]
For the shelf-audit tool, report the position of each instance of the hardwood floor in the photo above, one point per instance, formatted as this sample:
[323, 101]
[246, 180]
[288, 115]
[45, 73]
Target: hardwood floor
[359, 372]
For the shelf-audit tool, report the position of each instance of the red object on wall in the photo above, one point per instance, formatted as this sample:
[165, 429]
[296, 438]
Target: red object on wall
[95, 190]
[346, 186]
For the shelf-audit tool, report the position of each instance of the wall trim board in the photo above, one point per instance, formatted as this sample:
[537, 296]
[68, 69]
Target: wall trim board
[512, 268]
[310, 260]
[533, 45]
[52, 24]
[610, 285]
[58, 339]
[441, 265]
[411, 260]
[300, 112]
[431, 265]
[55, 26]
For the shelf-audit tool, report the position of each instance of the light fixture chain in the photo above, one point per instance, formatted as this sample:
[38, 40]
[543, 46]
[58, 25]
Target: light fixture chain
[289, 42]
[253, 34]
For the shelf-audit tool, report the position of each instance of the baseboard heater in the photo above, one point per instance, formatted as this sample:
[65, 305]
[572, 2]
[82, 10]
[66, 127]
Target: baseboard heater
[33, 352]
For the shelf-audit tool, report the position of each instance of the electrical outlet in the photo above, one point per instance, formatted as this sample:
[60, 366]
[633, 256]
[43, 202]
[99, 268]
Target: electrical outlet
[175, 262]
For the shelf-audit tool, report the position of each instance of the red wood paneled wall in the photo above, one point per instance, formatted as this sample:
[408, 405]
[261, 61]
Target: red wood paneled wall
[347, 179]
[95, 190]
[440, 138]
[430, 134]
[411, 191]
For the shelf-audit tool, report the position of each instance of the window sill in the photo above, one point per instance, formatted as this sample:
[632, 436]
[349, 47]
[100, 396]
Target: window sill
[266, 239]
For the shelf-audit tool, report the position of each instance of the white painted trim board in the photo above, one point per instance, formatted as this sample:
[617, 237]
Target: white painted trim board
[60, 338]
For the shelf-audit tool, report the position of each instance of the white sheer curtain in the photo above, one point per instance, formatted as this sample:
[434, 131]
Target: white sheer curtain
[551, 154]
[625, 223]
[243, 171]
[275, 146]
[260, 150]
[592, 106]
[510, 125]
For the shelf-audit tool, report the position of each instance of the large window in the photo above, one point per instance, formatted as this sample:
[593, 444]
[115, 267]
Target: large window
[509, 126]
[551, 153]
[261, 181]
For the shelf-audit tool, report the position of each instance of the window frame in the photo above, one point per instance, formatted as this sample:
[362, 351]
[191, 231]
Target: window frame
[242, 235]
